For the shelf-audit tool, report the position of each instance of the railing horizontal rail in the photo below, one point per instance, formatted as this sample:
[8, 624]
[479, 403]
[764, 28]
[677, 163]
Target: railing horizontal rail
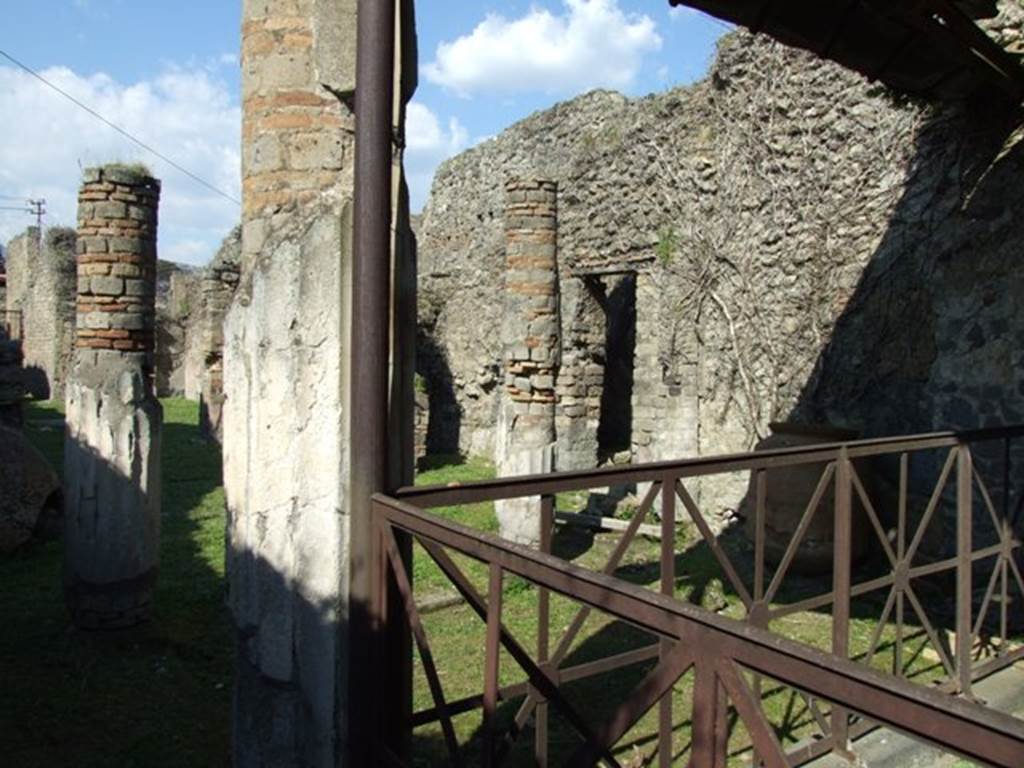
[817, 602]
[718, 643]
[565, 675]
[561, 482]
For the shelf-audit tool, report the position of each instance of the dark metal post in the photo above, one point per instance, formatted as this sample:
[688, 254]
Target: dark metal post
[1005, 534]
[841, 553]
[370, 356]
[668, 587]
[547, 521]
[901, 554]
[492, 663]
[964, 567]
[705, 710]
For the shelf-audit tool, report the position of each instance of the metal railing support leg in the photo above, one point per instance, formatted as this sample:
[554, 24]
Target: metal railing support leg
[841, 551]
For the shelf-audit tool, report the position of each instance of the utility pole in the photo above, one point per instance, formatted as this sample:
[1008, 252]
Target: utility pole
[38, 208]
[35, 208]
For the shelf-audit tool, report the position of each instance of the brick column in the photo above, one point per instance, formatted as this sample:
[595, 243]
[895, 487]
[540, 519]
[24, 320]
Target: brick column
[112, 448]
[531, 338]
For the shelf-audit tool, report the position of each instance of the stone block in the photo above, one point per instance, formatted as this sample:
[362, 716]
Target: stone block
[127, 245]
[138, 288]
[95, 320]
[110, 209]
[129, 321]
[94, 244]
[126, 270]
[107, 286]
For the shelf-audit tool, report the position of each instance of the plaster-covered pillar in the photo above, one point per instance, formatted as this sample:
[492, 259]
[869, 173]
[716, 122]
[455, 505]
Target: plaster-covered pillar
[531, 340]
[112, 447]
[286, 384]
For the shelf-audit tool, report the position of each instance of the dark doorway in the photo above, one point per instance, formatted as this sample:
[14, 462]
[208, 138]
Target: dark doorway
[615, 430]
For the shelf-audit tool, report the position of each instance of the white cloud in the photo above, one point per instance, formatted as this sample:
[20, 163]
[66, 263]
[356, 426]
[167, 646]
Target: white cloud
[593, 43]
[187, 114]
[428, 143]
[682, 11]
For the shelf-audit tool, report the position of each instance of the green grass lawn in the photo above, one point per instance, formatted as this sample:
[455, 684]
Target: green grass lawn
[457, 637]
[159, 695]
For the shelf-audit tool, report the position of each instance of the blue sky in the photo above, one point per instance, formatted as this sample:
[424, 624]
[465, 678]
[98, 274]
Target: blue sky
[169, 73]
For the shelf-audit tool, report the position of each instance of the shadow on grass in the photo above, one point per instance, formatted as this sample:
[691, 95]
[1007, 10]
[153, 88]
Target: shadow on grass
[156, 695]
[699, 581]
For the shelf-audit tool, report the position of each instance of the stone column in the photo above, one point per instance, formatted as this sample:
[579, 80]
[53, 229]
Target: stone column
[112, 447]
[286, 383]
[531, 340]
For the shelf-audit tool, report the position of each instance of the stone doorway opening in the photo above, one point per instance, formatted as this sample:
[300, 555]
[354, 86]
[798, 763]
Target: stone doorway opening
[615, 426]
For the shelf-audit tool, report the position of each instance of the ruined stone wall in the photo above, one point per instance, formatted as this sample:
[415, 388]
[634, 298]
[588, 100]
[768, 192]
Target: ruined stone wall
[191, 304]
[786, 220]
[219, 282]
[178, 305]
[285, 412]
[19, 253]
[12, 383]
[41, 285]
[580, 379]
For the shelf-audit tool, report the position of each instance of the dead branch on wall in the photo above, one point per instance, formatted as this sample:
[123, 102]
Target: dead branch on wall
[791, 182]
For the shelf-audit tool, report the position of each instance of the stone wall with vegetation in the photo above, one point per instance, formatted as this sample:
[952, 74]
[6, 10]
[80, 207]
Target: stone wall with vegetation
[806, 245]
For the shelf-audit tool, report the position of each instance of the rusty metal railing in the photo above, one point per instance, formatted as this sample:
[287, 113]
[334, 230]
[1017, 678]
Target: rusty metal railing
[11, 324]
[721, 652]
[897, 539]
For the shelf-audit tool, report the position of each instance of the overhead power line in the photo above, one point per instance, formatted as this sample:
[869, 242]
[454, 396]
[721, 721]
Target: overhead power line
[118, 128]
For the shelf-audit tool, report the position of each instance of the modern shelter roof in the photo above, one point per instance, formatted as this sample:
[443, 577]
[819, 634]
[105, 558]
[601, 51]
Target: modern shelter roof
[929, 48]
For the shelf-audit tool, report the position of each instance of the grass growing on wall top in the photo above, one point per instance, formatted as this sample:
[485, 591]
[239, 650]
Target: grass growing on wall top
[136, 169]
